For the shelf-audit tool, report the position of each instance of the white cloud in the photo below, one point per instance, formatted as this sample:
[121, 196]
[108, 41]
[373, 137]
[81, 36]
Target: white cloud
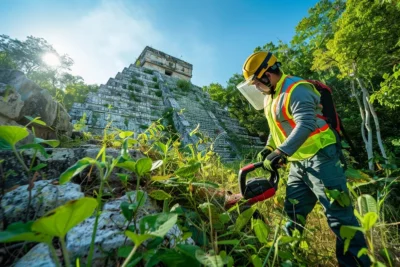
[106, 40]
[111, 35]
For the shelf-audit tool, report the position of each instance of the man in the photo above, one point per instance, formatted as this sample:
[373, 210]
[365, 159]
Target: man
[297, 134]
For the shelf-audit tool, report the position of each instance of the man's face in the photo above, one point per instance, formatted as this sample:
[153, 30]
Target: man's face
[262, 87]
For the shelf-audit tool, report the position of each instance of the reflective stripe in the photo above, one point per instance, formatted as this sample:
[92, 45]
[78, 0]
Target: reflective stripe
[321, 129]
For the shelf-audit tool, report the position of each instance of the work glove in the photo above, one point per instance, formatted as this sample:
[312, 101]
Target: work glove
[274, 160]
[264, 153]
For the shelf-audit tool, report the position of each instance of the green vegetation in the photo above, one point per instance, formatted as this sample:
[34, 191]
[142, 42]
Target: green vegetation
[184, 85]
[80, 125]
[130, 88]
[191, 185]
[148, 71]
[137, 81]
[156, 86]
[159, 93]
[155, 79]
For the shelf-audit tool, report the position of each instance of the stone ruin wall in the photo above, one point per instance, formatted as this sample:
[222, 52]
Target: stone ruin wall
[139, 95]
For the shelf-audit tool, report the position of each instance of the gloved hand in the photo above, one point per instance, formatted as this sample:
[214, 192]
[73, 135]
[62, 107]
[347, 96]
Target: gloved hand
[264, 153]
[275, 158]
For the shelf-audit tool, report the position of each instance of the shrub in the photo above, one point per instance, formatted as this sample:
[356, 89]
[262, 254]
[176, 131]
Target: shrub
[183, 85]
[148, 71]
[155, 79]
[156, 86]
[137, 81]
[130, 88]
[159, 93]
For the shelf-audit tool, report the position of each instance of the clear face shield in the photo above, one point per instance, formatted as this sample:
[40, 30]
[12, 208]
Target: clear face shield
[251, 93]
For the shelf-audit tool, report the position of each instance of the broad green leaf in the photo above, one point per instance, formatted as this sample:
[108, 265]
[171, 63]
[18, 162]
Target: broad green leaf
[125, 134]
[244, 218]
[341, 197]
[367, 203]
[52, 143]
[188, 170]
[162, 147]
[60, 220]
[75, 169]
[166, 226]
[143, 166]
[228, 242]
[159, 195]
[138, 239]
[123, 177]
[161, 178]
[256, 261]
[126, 211]
[39, 167]
[261, 230]
[208, 259]
[127, 165]
[356, 174]
[347, 233]
[156, 165]
[22, 232]
[35, 120]
[37, 147]
[158, 224]
[293, 201]
[13, 134]
[369, 220]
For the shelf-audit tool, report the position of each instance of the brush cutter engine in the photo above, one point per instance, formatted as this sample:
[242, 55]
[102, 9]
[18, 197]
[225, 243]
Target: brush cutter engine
[254, 189]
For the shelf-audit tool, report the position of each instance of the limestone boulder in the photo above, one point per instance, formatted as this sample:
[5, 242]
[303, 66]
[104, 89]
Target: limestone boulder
[45, 197]
[38, 256]
[22, 97]
[110, 234]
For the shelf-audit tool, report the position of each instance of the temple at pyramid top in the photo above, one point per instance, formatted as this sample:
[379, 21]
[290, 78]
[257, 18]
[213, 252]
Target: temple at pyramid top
[171, 66]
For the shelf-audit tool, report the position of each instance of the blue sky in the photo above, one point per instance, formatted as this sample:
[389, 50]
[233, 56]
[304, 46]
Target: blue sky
[104, 36]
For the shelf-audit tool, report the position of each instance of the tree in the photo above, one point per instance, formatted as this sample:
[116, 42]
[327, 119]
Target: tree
[77, 93]
[363, 48]
[6, 62]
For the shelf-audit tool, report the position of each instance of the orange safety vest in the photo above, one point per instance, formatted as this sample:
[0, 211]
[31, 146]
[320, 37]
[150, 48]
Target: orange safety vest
[281, 122]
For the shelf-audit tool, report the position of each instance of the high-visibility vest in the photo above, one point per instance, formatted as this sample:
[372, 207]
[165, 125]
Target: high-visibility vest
[281, 122]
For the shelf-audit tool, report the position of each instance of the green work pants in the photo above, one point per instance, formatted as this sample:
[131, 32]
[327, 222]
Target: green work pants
[306, 183]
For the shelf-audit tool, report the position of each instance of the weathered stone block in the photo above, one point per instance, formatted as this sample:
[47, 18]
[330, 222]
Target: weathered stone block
[45, 197]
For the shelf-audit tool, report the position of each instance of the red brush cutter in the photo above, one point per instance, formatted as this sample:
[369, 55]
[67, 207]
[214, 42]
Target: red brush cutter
[255, 189]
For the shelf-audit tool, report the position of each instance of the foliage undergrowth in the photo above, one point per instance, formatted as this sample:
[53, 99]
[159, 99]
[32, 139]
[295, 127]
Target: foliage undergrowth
[191, 186]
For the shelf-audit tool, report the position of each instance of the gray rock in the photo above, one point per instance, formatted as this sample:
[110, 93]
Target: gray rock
[38, 256]
[110, 234]
[10, 102]
[45, 197]
[29, 99]
[110, 231]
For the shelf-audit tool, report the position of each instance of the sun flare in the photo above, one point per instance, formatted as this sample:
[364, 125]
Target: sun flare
[51, 59]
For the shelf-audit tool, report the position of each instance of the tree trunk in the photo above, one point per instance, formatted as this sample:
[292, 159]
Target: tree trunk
[365, 120]
[376, 121]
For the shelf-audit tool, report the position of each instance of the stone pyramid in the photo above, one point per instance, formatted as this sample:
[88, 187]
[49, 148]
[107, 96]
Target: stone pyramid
[158, 82]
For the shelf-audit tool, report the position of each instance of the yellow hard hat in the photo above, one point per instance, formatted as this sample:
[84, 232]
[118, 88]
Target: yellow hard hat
[257, 64]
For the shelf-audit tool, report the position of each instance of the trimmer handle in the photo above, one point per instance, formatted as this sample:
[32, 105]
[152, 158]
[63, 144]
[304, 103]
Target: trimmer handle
[243, 173]
[273, 182]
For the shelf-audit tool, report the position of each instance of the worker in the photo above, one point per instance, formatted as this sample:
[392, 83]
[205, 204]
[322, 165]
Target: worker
[298, 135]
